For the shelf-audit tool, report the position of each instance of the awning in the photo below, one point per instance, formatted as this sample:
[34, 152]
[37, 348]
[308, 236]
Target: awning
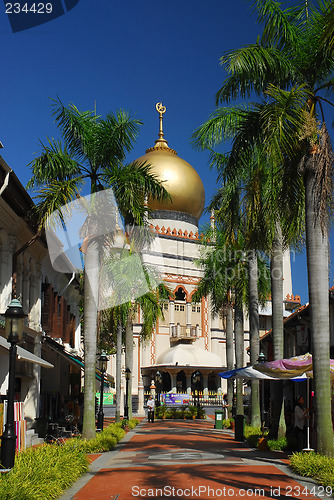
[107, 377]
[24, 355]
[75, 360]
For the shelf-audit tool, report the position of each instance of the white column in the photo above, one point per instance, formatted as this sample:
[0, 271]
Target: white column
[141, 411]
[205, 383]
[188, 314]
[35, 302]
[19, 269]
[188, 382]
[171, 317]
[32, 397]
[25, 291]
[6, 272]
[122, 398]
[173, 379]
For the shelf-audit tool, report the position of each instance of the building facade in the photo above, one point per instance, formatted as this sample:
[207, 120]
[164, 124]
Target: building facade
[189, 338]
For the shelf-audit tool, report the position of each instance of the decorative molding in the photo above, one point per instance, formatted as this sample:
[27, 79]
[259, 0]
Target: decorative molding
[205, 322]
[176, 233]
[174, 278]
[153, 340]
[292, 298]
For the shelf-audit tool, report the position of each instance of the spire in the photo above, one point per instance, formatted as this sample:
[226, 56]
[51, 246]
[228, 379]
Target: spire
[161, 143]
[161, 110]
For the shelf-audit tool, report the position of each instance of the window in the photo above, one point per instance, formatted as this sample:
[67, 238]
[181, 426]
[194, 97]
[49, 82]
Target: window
[196, 309]
[166, 306]
[180, 294]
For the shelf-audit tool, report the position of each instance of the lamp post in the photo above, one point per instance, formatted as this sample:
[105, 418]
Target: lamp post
[197, 381]
[158, 381]
[262, 359]
[127, 378]
[14, 332]
[103, 360]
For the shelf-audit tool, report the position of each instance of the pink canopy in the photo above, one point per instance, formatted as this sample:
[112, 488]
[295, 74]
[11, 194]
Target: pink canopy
[292, 367]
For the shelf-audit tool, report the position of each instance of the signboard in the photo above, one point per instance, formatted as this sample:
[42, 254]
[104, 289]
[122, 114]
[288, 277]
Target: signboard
[302, 336]
[172, 399]
[108, 398]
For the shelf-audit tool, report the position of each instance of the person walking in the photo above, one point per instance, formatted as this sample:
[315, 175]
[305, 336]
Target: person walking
[150, 409]
[301, 416]
[225, 406]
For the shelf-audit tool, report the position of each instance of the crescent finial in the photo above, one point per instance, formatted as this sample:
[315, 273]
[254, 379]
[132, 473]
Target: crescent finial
[160, 108]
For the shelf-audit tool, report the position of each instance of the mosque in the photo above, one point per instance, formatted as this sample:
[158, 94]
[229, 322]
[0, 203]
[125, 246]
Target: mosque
[189, 340]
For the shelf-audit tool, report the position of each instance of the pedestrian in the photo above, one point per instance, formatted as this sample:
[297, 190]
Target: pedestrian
[150, 409]
[225, 406]
[301, 416]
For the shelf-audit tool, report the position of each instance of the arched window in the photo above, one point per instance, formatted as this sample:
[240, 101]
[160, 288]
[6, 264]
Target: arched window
[180, 294]
[181, 381]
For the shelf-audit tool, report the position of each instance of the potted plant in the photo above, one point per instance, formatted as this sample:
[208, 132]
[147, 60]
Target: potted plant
[163, 411]
[201, 412]
[193, 411]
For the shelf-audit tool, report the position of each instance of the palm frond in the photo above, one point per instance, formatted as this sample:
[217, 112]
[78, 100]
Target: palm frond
[280, 28]
[132, 184]
[251, 69]
[77, 127]
[221, 125]
[55, 162]
[54, 199]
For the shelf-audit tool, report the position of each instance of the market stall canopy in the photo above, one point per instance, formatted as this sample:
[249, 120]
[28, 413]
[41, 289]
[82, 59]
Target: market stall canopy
[291, 367]
[246, 372]
[249, 372]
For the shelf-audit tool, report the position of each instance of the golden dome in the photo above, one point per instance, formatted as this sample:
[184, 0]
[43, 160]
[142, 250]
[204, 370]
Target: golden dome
[179, 178]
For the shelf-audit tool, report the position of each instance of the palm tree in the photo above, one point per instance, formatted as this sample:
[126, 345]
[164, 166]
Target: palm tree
[290, 59]
[93, 150]
[255, 169]
[228, 280]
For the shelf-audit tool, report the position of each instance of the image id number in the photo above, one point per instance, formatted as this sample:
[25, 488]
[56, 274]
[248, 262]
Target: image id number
[35, 8]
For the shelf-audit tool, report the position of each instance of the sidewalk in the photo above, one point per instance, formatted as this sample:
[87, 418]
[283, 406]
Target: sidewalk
[188, 459]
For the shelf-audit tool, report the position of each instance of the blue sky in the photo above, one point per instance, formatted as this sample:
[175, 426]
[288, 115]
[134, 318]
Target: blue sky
[127, 55]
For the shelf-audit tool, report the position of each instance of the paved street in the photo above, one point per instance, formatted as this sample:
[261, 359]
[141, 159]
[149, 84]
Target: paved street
[188, 459]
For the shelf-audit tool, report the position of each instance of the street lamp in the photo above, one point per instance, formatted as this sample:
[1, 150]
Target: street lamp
[127, 378]
[14, 332]
[158, 381]
[197, 381]
[262, 359]
[103, 360]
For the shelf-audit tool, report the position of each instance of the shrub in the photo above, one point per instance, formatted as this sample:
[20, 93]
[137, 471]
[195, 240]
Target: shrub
[252, 435]
[278, 444]
[316, 466]
[44, 473]
[227, 423]
[133, 423]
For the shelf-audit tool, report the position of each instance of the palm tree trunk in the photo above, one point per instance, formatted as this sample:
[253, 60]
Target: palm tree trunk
[276, 387]
[317, 270]
[239, 354]
[129, 361]
[118, 371]
[254, 336]
[90, 331]
[229, 354]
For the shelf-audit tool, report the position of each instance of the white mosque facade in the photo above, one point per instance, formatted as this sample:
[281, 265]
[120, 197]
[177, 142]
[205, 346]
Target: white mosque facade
[189, 338]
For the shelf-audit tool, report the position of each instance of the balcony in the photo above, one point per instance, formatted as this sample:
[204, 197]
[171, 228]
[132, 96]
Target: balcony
[182, 332]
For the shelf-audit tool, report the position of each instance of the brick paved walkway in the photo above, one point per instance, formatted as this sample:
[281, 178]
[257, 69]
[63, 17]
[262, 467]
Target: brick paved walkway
[188, 459]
